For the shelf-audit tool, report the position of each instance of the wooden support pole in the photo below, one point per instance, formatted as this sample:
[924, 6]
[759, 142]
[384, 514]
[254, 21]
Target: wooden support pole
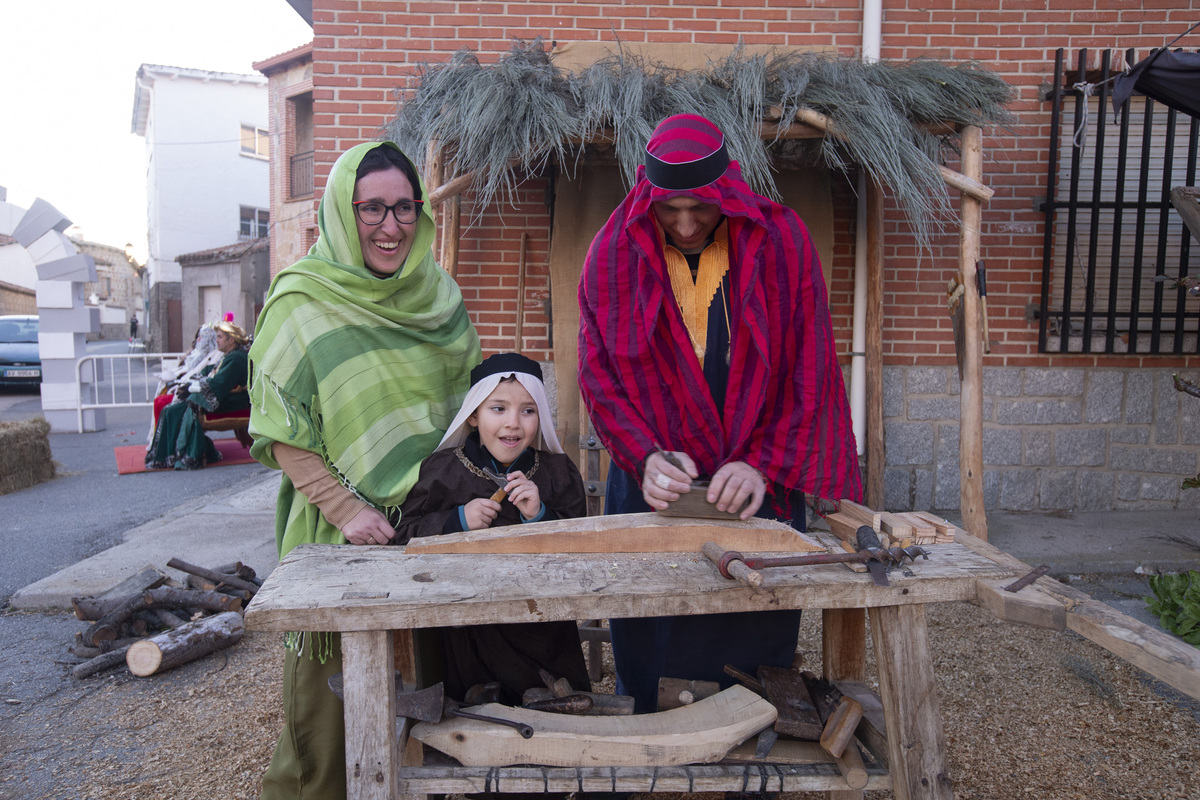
[451, 232]
[967, 183]
[875, 450]
[454, 187]
[520, 334]
[970, 434]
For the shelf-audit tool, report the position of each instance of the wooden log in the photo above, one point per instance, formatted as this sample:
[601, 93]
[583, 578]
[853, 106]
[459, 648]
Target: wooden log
[243, 571]
[90, 609]
[184, 644]
[168, 620]
[108, 626]
[150, 577]
[217, 578]
[100, 663]
[181, 598]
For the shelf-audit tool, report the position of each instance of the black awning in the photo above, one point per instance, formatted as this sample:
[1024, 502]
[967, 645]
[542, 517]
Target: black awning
[1172, 77]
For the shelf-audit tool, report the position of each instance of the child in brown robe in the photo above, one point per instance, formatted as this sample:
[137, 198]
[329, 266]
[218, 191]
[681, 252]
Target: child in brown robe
[504, 427]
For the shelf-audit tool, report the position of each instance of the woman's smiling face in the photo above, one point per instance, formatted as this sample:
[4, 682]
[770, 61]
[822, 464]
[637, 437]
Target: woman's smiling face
[385, 245]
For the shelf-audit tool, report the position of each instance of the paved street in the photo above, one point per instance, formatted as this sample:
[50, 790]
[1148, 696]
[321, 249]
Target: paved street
[89, 506]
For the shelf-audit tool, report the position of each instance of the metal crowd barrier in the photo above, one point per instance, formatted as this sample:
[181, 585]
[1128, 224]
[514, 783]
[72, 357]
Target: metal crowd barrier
[120, 380]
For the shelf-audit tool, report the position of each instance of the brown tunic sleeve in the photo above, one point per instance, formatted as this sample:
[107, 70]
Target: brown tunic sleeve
[311, 478]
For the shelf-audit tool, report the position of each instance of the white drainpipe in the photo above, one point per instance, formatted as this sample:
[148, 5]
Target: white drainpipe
[872, 43]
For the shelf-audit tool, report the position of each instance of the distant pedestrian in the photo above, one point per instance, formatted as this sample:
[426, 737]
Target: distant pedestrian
[133, 326]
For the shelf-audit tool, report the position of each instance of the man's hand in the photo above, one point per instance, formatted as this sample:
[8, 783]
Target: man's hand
[480, 513]
[523, 493]
[663, 483]
[368, 527]
[737, 485]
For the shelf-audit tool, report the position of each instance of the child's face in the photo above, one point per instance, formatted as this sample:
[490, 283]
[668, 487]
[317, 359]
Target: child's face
[507, 421]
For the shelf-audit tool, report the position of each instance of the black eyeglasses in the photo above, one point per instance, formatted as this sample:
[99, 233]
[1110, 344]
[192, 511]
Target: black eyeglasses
[372, 212]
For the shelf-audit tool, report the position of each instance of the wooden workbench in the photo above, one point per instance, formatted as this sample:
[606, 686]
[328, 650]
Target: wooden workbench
[368, 593]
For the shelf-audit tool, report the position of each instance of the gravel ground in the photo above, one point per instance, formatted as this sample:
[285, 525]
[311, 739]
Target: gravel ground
[1028, 714]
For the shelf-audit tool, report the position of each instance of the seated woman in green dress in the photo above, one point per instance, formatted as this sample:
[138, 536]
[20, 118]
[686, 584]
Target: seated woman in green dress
[179, 441]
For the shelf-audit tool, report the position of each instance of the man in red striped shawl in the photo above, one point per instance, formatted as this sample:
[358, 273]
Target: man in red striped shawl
[705, 332]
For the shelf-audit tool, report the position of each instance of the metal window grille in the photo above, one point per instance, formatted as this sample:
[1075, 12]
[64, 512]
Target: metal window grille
[300, 183]
[1111, 233]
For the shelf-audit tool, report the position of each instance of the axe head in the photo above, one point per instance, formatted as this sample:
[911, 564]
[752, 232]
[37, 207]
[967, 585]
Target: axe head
[424, 705]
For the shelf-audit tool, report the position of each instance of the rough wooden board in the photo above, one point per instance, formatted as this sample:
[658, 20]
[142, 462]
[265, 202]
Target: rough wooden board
[787, 692]
[700, 733]
[622, 533]
[1159, 653]
[347, 588]
[1030, 606]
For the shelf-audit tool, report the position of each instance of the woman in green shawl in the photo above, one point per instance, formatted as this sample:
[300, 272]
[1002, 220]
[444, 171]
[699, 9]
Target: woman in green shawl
[362, 356]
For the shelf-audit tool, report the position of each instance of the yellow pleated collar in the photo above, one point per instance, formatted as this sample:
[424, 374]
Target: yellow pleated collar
[695, 296]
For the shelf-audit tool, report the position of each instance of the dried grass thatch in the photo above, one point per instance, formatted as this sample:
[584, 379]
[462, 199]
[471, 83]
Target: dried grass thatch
[526, 111]
[25, 458]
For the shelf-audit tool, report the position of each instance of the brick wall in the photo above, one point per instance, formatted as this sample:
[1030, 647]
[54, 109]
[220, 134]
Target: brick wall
[364, 50]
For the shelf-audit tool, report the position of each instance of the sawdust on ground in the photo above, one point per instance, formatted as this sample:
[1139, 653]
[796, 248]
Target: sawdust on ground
[1028, 714]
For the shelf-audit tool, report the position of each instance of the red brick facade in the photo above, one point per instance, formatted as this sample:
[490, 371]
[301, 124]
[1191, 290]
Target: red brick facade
[365, 49]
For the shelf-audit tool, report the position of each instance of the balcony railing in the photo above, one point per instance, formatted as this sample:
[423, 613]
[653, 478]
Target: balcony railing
[300, 175]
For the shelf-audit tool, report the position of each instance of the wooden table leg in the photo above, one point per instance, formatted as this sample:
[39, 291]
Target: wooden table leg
[916, 742]
[368, 665]
[844, 644]
[844, 657]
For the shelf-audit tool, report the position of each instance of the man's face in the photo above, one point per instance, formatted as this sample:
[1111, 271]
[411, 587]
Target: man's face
[687, 221]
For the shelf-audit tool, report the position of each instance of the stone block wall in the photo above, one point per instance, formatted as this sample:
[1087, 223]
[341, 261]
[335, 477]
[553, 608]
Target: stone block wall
[1053, 440]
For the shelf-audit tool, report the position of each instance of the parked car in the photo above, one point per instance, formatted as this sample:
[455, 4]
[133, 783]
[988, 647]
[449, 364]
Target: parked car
[20, 364]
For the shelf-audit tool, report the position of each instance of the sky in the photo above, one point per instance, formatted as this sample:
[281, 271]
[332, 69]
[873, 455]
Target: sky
[67, 71]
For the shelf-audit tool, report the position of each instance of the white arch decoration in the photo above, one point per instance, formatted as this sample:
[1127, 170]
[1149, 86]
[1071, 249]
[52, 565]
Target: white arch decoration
[65, 320]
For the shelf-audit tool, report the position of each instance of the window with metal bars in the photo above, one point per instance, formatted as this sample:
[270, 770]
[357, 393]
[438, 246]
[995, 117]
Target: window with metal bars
[1114, 244]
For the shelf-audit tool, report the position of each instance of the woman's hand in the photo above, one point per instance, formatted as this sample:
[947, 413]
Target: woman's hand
[663, 483]
[368, 526]
[480, 513]
[523, 493]
[737, 485]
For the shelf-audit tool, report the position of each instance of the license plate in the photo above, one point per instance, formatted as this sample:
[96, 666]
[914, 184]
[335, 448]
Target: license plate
[22, 373]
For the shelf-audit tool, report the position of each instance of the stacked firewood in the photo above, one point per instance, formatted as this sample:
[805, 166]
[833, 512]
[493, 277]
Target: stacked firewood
[153, 623]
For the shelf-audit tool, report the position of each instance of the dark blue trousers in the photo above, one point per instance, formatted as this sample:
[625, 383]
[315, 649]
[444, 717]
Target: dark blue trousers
[693, 647]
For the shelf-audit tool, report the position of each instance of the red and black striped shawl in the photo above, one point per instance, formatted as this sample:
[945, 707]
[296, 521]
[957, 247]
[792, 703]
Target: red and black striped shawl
[786, 411]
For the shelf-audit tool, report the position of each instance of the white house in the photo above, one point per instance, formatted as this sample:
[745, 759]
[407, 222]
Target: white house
[207, 178]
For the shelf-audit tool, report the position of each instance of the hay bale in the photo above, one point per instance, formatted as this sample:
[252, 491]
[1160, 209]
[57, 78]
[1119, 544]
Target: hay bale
[25, 458]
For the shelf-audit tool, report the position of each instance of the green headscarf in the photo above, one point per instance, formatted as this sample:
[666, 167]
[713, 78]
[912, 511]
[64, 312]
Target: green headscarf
[365, 371]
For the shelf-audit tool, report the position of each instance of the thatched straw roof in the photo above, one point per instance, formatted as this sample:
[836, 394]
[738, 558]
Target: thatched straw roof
[524, 111]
